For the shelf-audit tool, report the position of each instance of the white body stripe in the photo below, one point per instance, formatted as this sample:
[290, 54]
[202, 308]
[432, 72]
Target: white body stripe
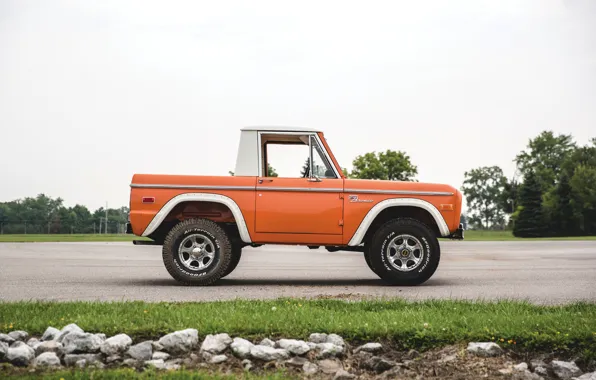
[372, 214]
[200, 197]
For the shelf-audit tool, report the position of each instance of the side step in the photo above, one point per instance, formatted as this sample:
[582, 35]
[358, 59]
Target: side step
[145, 242]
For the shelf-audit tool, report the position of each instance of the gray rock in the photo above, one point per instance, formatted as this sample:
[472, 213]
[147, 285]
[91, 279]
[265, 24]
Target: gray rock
[81, 363]
[160, 356]
[172, 365]
[267, 353]
[342, 374]
[118, 344]
[33, 343]
[485, 349]
[311, 345]
[526, 375]
[328, 350]
[296, 361]
[19, 354]
[369, 347]
[447, 359]
[3, 350]
[318, 338]
[157, 346]
[19, 335]
[379, 365]
[216, 344]
[218, 359]
[72, 328]
[49, 346]
[180, 342]
[335, 339]
[587, 376]
[293, 346]
[113, 359]
[73, 359]
[81, 343]
[51, 333]
[267, 342]
[310, 368]
[47, 359]
[6, 339]
[158, 364]
[241, 348]
[329, 366]
[565, 370]
[521, 367]
[141, 352]
[541, 371]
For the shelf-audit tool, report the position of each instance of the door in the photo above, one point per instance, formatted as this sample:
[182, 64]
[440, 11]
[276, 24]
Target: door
[308, 202]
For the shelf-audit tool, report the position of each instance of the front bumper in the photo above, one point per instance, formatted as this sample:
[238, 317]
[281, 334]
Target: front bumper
[458, 234]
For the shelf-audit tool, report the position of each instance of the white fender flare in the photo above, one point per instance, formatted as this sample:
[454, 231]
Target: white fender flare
[200, 197]
[396, 202]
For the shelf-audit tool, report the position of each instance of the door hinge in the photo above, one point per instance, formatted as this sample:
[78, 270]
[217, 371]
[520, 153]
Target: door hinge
[341, 222]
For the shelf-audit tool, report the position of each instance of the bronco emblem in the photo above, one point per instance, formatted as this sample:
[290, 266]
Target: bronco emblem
[354, 198]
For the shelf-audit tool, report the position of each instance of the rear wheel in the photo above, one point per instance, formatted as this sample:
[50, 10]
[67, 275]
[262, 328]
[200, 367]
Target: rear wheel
[404, 252]
[236, 256]
[197, 252]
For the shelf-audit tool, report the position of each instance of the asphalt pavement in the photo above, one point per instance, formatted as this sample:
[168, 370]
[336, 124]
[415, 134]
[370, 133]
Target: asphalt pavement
[544, 272]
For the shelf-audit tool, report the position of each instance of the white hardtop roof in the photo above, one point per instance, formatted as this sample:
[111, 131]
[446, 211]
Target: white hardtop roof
[280, 129]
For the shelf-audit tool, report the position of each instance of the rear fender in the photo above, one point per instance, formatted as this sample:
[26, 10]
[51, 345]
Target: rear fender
[200, 197]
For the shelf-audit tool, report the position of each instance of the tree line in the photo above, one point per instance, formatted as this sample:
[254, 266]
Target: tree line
[44, 214]
[553, 192]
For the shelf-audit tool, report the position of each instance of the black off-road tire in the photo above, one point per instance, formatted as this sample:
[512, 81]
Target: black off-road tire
[367, 258]
[236, 256]
[431, 252]
[221, 259]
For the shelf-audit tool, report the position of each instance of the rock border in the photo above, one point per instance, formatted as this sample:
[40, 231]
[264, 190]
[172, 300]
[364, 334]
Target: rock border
[322, 355]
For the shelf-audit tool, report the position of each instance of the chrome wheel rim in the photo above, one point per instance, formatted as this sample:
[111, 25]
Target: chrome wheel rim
[196, 252]
[405, 253]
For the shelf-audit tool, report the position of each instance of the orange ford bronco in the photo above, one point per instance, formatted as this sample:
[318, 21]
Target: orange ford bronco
[204, 222]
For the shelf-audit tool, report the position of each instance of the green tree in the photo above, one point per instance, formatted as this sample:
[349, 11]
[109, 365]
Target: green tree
[559, 206]
[545, 156]
[483, 188]
[583, 184]
[530, 220]
[389, 165]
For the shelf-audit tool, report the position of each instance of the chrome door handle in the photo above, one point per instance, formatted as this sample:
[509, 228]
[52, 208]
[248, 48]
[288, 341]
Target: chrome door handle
[262, 180]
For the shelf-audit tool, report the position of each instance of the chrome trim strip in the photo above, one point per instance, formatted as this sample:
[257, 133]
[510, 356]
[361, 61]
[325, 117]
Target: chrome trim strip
[397, 192]
[301, 189]
[190, 187]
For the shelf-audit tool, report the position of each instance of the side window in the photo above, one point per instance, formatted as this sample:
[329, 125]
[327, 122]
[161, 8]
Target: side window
[321, 166]
[288, 156]
[285, 156]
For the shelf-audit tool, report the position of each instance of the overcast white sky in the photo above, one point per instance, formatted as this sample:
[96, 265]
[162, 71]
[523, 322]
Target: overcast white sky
[92, 92]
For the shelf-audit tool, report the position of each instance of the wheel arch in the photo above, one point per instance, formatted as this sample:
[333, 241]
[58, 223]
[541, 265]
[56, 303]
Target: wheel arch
[399, 207]
[216, 207]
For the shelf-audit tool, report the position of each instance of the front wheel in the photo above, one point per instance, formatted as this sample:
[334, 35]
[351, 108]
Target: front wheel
[197, 252]
[404, 252]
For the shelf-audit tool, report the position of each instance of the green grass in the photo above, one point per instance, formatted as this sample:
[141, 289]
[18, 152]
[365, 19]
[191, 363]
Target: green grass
[119, 374]
[477, 235]
[419, 325]
[30, 238]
